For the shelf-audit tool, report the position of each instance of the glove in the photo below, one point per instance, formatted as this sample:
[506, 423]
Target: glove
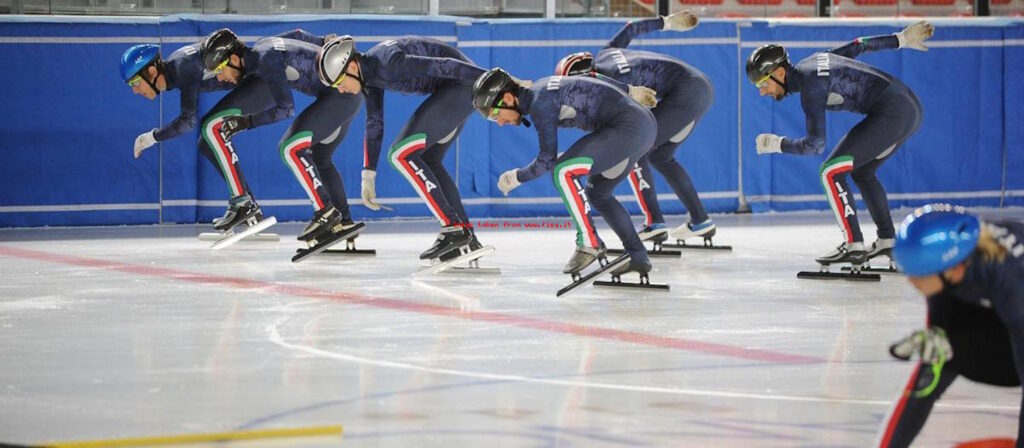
[233, 124]
[913, 35]
[144, 141]
[680, 21]
[643, 95]
[769, 143]
[369, 190]
[508, 181]
[930, 344]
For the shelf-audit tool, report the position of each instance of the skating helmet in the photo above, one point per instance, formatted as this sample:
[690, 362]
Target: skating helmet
[581, 63]
[218, 47]
[764, 60]
[136, 59]
[934, 238]
[333, 59]
[490, 87]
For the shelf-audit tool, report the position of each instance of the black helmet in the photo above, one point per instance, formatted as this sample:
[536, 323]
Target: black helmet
[218, 47]
[764, 60]
[489, 87]
[334, 58]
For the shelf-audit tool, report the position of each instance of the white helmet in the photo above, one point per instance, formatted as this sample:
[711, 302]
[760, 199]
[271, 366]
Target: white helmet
[334, 58]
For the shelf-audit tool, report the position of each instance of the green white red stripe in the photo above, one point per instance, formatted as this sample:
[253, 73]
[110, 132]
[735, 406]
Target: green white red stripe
[399, 158]
[222, 150]
[832, 169]
[565, 174]
[290, 155]
[634, 182]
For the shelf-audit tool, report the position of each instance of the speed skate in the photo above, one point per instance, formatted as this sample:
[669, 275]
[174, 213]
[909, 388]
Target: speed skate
[852, 272]
[449, 263]
[657, 247]
[251, 233]
[607, 267]
[317, 246]
[709, 244]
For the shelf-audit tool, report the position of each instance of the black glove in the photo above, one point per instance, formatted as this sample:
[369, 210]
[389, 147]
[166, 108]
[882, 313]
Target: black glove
[234, 124]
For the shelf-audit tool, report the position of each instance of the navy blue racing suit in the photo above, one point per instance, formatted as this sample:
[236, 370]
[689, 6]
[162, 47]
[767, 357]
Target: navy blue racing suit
[983, 317]
[183, 70]
[684, 96]
[833, 80]
[281, 64]
[621, 131]
[421, 66]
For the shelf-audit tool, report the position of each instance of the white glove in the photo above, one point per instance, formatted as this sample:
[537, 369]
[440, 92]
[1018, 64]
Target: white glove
[643, 95]
[144, 141]
[508, 181]
[369, 190]
[913, 35]
[769, 143]
[680, 21]
[931, 345]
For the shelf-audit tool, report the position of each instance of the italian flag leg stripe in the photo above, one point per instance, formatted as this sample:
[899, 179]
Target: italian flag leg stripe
[832, 169]
[634, 182]
[290, 156]
[222, 150]
[398, 158]
[565, 172]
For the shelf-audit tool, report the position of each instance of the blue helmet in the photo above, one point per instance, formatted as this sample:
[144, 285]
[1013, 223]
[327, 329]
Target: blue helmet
[934, 238]
[137, 58]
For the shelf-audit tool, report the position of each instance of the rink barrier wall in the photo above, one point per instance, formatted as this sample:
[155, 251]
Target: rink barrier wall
[70, 122]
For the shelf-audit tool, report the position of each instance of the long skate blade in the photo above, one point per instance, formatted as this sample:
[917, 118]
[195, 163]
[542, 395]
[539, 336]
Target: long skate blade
[347, 251]
[471, 270]
[350, 248]
[879, 269]
[215, 236]
[302, 254]
[651, 252]
[636, 285]
[589, 278]
[445, 265]
[839, 276]
[252, 230]
[707, 246]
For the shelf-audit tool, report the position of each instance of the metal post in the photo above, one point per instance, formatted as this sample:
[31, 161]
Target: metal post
[433, 7]
[549, 9]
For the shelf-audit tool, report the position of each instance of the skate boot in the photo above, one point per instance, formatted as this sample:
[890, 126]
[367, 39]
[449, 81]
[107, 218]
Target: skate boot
[240, 209]
[881, 246]
[451, 237]
[640, 267]
[323, 220]
[704, 230]
[853, 253]
[656, 232]
[583, 257]
[471, 244]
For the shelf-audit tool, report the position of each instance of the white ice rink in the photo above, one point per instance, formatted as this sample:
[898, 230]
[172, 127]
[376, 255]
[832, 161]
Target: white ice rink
[142, 331]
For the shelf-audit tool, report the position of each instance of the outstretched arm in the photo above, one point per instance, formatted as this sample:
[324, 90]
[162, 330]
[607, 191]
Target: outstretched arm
[912, 36]
[680, 21]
